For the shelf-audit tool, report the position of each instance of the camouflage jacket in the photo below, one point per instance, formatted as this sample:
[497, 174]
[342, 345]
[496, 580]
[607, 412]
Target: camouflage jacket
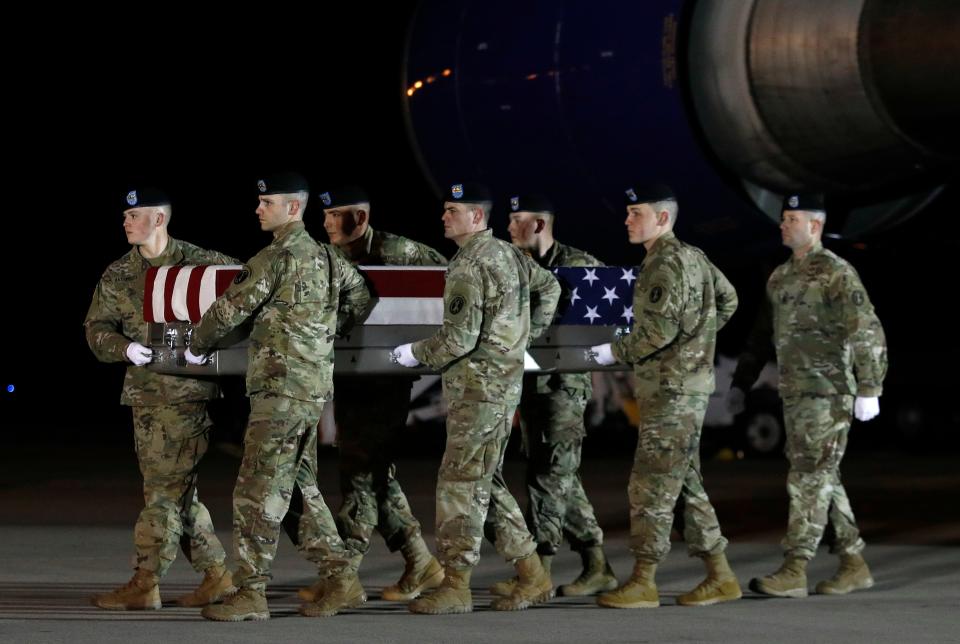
[825, 332]
[496, 300]
[561, 255]
[115, 319]
[680, 301]
[376, 248]
[300, 294]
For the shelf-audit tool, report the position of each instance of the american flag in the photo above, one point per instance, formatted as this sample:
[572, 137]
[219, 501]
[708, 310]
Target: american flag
[598, 296]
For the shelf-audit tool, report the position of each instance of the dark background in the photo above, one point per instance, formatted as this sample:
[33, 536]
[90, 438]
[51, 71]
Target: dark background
[203, 104]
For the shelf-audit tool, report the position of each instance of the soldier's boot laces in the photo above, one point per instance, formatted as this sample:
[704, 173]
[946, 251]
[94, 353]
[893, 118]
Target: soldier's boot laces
[217, 583]
[140, 593]
[852, 575]
[789, 581]
[534, 586]
[421, 572]
[640, 591]
[245, 604]
[452, 596]
[339, 592]
[721, 584]
[597, 576]
[505, 588]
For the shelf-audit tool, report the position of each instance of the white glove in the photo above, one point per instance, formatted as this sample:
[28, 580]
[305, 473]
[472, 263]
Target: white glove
[403, 356]
[139, 354]
[602, 354]
[529, 364]
[194, 359]
[866, 407]
[736, 401]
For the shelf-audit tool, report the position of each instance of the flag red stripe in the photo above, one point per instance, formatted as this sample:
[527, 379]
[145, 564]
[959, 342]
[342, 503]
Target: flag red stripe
[400, 283]
[168, 293]
[193, 292]
[148, 295]
[224, 278]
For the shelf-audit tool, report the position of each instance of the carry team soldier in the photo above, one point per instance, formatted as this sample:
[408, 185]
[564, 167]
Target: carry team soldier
[170, 421]
[496, 299]
[832, 358]
[680, 300]
[551, 419]
[300, 295]
[367, 434]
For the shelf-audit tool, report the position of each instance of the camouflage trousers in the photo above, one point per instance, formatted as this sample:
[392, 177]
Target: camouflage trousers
[279, 434]
[553, 431]
[817, 428]
[170, 440]
[370, 414]
[470, 484]
[666, 468]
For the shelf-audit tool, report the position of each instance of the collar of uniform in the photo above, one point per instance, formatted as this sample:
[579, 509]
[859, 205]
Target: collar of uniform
[550, 256]
[660, 242]
[287, 229]
[360, 247]
[476, 239]
[816, 249]
[171, 255]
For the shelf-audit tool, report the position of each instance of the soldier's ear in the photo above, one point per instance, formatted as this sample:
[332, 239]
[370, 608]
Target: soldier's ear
[541, 224]
[161, 218]
[361, 217]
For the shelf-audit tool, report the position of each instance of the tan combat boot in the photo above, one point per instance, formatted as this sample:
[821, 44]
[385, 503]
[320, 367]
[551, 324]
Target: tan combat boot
[789, 581]
[720, 585]
[452, 596]
[217, 583]
[597, 575]
[534, 586]
[640, 591]
[339, 592]
[242, 605]
[422, 572]
[505, 588]
[140, 593]
[853, 574]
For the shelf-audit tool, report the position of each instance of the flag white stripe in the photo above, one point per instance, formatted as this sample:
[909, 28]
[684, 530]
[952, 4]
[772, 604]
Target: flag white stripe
[178, 299]
[406, 310]
[158, 289]
[208, 288]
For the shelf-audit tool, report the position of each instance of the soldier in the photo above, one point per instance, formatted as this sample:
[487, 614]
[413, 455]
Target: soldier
[300, 295]
[832, 359]
[366, 435]
[170, 422]
[551, 419]
[495, 300]
[680, 300]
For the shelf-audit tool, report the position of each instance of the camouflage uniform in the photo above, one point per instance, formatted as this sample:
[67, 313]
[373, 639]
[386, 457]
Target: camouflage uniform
[292, 289]
[551, 419]
[366, 433]
[495, 301]
[680, 300]
[170, 421]
[830, 347]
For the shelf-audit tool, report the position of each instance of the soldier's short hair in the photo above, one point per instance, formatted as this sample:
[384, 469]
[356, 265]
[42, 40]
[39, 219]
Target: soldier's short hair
[487, 206]
[302, 196]
[670, 205]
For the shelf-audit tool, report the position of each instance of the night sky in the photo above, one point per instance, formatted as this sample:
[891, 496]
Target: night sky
[201, 105]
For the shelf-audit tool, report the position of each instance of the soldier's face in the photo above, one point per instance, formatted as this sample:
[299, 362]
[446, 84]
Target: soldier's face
[643, 223]
[523, 229]
[273, 212]
[140, 224]
[796, 229]
[341, 225]
[460, 220]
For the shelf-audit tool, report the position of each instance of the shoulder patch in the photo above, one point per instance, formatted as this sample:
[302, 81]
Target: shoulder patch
[656, 293]
[241, 276]
[857, 298]
[456, 304]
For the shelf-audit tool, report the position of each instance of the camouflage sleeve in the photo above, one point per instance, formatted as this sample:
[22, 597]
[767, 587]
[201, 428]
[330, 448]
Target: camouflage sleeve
[462, 321]
[355, 301]
[660, 290]
[102, 325]
[213, 257]
[426, 256]
[251, 288]
[758, 351]
[544, 298]
[863, 331]
[726, 296]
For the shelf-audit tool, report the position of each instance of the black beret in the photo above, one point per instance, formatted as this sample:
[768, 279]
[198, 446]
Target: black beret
[343, 196]
[469, 192]
[281, 183]
[530, 203]
[811, 201]
[647, 193]
[145, 197]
